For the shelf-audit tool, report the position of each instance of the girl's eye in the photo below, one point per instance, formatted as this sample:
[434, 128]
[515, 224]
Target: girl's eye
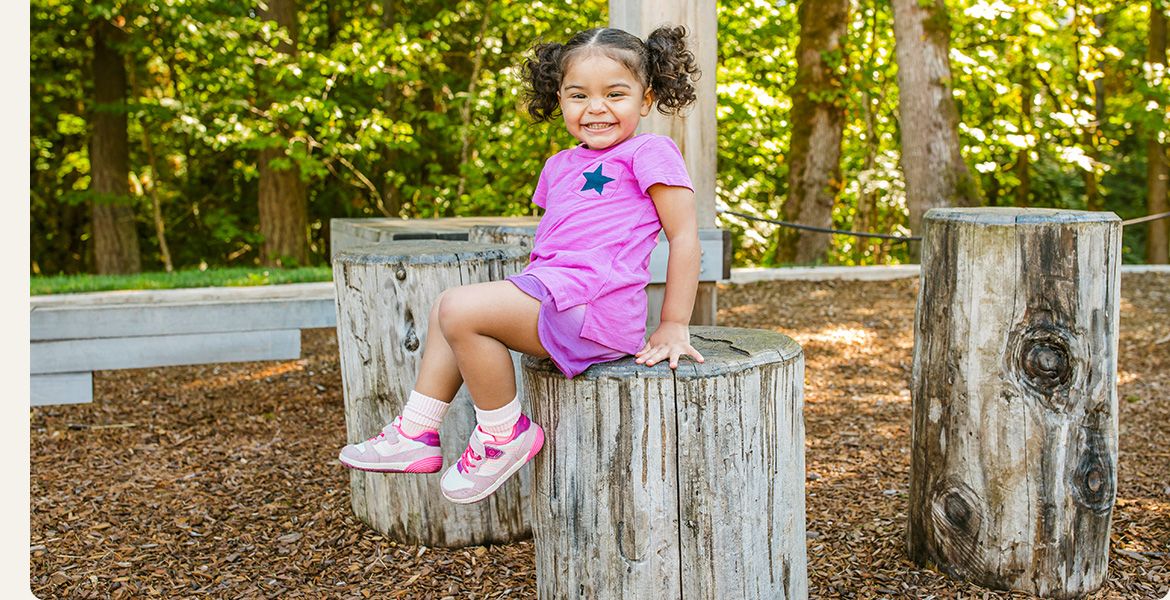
[616, 95]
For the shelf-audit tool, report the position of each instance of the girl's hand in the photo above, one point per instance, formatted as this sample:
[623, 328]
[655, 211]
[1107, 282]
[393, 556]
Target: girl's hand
[670, 340]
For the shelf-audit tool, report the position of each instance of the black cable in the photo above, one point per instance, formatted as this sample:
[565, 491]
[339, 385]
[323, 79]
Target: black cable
[884, 236]
[1145, 218]
[897, 238]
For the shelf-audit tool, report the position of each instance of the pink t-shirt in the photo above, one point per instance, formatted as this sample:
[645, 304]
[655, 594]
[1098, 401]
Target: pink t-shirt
[594, 241]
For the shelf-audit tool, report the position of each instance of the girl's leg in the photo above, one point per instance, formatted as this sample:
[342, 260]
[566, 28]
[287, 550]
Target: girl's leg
[480, 322]
[438, 373]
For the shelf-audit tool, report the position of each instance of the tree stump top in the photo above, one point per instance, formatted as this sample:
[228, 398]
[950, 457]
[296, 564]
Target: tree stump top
[1006, 215]
[511, 229]
[725, 349]
[418, 252]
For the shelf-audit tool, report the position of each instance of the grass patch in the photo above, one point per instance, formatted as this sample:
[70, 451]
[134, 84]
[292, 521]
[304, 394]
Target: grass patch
[236, 277]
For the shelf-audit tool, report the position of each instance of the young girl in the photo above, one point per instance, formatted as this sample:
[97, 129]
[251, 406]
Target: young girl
[581, 300]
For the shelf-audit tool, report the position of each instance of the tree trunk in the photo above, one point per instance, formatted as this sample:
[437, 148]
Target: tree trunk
[1089, 131]
[389, 195]
[1013, 468]
[465, 111]
[1158, 164]
[935, 172]
[283, 198]
[115, 234]
[384, 298]
[665, 484]
[1023, 164]
[814, 172]
[160, 228]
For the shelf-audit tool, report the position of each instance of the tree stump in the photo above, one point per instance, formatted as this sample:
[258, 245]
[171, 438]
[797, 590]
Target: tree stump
[1014, 435]
[384, 298]
[653, 482]
[511, 235]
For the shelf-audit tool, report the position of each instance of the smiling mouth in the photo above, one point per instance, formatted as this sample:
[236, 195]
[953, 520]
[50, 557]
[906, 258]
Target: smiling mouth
[598, 126]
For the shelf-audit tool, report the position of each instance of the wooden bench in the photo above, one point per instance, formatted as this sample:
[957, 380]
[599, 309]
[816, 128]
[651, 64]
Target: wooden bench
[73, 335]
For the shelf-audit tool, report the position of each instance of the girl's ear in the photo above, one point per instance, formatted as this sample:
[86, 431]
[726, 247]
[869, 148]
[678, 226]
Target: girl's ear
[647, 102]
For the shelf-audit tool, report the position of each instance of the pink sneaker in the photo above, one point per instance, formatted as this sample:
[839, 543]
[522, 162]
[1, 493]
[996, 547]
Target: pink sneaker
[489, 461]
[392, 451]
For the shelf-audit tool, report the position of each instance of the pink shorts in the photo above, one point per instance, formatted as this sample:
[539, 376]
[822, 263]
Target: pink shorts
[560, 331]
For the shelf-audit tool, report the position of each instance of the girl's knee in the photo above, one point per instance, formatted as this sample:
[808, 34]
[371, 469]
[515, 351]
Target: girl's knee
[434, 314]
[450, 312]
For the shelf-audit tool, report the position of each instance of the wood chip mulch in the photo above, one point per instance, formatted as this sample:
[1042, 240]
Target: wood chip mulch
[222, 480]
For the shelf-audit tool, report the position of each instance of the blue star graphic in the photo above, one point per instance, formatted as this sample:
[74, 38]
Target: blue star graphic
[595, 181]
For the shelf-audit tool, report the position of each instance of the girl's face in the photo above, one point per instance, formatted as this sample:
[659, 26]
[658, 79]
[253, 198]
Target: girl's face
[602, 101]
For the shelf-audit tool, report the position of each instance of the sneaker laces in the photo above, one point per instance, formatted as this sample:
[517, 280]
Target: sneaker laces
[466, 461]
[382, 434]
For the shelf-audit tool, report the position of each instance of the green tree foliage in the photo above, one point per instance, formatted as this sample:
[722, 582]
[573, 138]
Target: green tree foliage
[196, 67]
[421, 117]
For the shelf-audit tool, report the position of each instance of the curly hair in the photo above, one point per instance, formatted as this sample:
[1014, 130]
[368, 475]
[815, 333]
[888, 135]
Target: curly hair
[662, 63]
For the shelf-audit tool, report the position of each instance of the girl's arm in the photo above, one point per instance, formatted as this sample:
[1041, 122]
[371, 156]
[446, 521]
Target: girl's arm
[676, 211]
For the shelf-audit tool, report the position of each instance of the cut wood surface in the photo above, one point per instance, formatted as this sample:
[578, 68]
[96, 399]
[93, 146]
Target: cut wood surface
[512, 235]
[1014, 435]
[661, 484]
[384, 298]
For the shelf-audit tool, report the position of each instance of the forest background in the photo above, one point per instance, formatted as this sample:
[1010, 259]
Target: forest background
[172, 135]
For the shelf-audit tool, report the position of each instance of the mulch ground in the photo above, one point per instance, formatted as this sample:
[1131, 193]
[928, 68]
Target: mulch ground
[222, 480]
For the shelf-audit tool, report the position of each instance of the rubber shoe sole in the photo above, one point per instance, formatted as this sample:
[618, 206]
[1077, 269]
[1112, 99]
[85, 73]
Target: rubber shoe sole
[432, 464]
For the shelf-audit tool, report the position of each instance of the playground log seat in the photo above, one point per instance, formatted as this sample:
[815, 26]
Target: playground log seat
[653, 482]
[384, 298]
[1013, 473]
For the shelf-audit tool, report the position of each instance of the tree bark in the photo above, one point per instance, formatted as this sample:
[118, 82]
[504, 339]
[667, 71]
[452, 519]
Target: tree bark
[663, 484]
[115, 234]
[1158, 164]
[1013, 472]
[936, 175]
[814, 172]
[283, 198]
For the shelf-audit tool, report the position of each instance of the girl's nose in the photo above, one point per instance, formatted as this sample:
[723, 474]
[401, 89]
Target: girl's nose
[596, 105]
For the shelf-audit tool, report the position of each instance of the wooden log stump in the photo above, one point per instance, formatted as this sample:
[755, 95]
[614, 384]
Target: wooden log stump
[512, 235]
[1014, 435]
[384, 298]
[654, 482]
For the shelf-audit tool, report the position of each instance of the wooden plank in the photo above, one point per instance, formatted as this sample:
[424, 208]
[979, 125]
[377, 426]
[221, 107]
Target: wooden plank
[61, 388]
[696, 132]
[66, 356]
[288, 291]
[147, 316]
[711, 265]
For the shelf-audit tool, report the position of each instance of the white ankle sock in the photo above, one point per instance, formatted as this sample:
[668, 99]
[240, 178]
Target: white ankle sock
[500, 421]
[422, 413]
